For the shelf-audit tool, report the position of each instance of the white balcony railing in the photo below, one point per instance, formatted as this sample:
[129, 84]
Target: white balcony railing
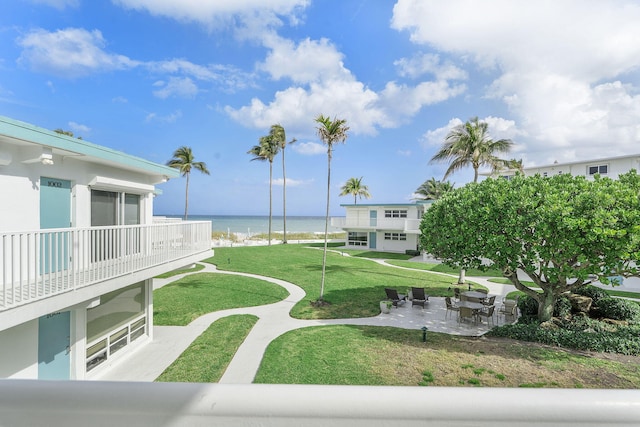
[38, 264]
[395, 224]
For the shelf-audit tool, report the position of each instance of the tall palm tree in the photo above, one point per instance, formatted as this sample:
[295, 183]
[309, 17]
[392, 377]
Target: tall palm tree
[330, 132]
[354, 187]
[266, 150]
[184, 160]
[433, 189]
[513, 164]
[279, 135]
[470, 144]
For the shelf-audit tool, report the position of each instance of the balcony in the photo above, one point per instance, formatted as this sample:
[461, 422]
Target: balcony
[380, 224]
[41, 264]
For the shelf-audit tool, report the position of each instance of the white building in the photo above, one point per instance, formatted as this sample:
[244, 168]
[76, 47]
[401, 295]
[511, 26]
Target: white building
[391, 227]
[610, 167]
[78, 250]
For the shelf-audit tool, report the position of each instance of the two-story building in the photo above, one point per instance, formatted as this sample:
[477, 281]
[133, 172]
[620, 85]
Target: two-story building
[390, 227]
[78, 250]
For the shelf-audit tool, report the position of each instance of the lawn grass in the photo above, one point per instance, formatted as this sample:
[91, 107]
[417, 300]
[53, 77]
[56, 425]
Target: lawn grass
[181, 302]
[188, 269]
[442, 268]
[366, 355]
[206, 359]
[354, 286]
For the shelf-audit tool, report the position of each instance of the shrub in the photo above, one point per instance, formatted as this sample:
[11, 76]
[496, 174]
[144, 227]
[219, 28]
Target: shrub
[412, 252]
[528, 306]
[617, 309]
[562, 307]
[593, 292]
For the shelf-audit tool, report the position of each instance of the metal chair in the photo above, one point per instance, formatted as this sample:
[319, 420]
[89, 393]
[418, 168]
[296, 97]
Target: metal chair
[419, 297]
[488, 314]
[450, 306]
[466, 313]
[395, 297]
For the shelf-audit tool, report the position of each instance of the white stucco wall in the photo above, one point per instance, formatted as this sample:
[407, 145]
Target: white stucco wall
[19, 351]
[616, 166]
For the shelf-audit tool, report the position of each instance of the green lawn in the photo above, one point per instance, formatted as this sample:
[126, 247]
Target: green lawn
[208, 356]
[354, 285]
[442, 268]
[181, 302]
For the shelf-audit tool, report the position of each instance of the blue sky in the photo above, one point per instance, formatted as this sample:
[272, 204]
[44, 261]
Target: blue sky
[559, 78]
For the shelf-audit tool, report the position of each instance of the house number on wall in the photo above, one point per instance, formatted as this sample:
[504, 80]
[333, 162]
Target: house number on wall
[57, 184]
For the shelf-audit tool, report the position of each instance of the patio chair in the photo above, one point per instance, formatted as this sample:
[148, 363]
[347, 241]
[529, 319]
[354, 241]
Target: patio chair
[466, 313]
[450, 306]
[419, 297]
[488, 314]
[509, 308]
[395, 297]
[474, 299]
[456, 293]
[490, 301]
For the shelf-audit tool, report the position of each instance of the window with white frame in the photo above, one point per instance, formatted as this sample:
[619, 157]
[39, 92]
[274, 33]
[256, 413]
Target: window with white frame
[110, 208]
[395, 213]
[357, 238]
[395, 236]
[597, 169]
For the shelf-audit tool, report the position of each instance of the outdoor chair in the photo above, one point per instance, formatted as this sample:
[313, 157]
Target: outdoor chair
[490, 301]
[474, 299]
[509, 308]
[466, 313]
[456, 293]
[395, 297]
[419, 297]
[450, 306]
[488, 313]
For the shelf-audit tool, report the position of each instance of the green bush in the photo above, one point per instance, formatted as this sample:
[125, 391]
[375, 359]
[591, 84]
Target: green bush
[528, 306]
[412, 252]
[590, 335]
[617, 309]
[593, 292]
[562, 307]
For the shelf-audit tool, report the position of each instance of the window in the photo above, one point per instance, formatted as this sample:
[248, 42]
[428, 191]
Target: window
[395, 236]
[357, 238]
[600, 169]
[109, 208]
[395, 213]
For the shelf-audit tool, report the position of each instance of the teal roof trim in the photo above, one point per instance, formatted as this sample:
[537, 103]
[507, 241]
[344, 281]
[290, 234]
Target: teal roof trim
[30, 133]
[417, 203]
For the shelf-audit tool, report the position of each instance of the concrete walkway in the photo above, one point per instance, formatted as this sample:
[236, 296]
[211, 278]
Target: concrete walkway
[148, 362]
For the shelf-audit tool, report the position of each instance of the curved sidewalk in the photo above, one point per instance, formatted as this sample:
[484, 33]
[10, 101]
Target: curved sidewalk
[148, 362]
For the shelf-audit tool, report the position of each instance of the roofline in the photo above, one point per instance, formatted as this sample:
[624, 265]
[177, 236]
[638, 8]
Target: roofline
[416, 203]
[34, 134]
[577, 162]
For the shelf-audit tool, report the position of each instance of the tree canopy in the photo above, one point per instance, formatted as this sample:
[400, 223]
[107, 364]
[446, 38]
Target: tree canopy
[355, 188]
[432, 189]
[184, 160]
[560, 231]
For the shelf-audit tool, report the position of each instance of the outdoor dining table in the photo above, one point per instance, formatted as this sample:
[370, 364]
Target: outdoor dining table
[475, 294]
[472, 305]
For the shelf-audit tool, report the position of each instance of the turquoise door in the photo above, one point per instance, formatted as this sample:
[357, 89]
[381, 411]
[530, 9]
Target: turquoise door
[55, 212]
[54, 346]
[373, 218]
[372, 240]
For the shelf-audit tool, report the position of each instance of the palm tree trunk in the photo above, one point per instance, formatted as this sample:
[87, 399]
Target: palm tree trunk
[270, 197]
[284, 200]
[326, 227]
[186, 199]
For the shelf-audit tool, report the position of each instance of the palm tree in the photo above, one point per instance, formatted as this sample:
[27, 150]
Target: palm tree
[470, 144]
[330, 132]
[433, 189]
[280, 137]
[354, 187]
[513, 164]
[266, 150]
[184, 160]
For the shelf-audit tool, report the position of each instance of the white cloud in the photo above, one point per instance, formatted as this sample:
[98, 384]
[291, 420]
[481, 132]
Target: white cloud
[499, 128]
[309, 148]
[176, 87]
[564, 69]
[120, 100]
[293, 182]
[72, 52]
[429, 63]
[78, 128]
[170, 118]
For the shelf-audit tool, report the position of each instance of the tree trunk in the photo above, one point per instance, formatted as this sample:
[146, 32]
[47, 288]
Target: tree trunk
[270, 198]
[546, 302]
[326, 227]
[462, 276]
[186, 199]
[284, 199]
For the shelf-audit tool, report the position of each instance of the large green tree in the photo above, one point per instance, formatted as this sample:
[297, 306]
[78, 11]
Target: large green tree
[470, 144]
[266, 150]
[331, 132]
[354, 187]
[560, 231]
[432, 189]
[184, 160]
[278, 134]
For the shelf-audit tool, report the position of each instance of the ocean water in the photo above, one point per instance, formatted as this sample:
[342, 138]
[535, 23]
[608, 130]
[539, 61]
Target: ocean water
[251, 225]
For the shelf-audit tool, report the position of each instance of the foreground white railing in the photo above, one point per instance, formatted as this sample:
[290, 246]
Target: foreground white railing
[53, 403]
[38, 264]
